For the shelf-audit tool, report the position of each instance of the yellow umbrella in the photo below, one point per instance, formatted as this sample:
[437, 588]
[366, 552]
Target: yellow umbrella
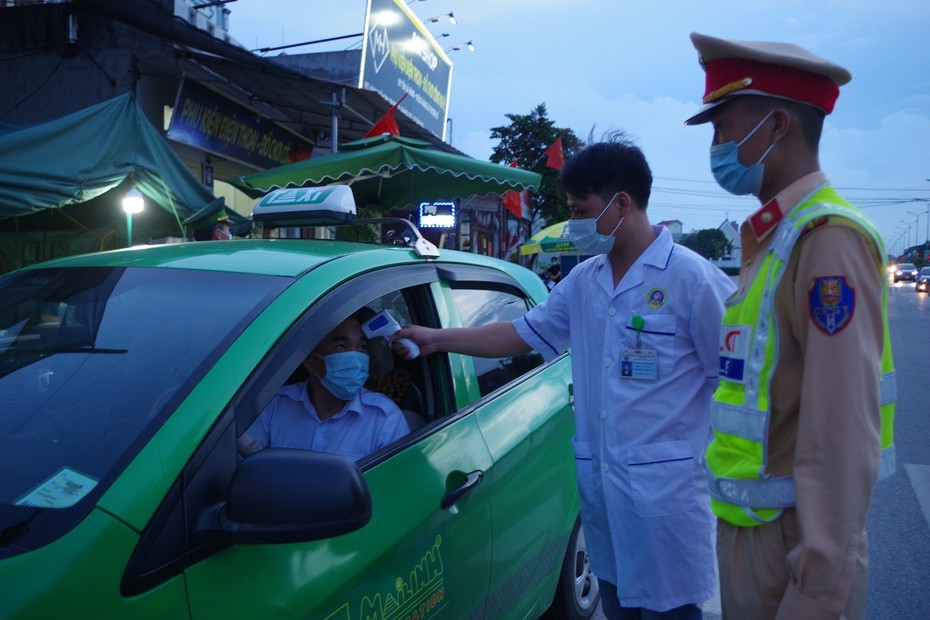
[551, 239]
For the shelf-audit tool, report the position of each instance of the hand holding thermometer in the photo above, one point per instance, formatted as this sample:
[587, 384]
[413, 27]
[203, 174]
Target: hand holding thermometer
[383, 325]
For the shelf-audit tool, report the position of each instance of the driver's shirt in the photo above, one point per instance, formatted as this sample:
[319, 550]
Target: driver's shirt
[642, 427]
[367, 423]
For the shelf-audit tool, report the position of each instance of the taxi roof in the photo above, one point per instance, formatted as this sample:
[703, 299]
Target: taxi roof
[275, 257]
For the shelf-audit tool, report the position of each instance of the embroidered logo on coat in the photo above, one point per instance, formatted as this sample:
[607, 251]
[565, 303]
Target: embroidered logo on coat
[832, 303]
[655, 297]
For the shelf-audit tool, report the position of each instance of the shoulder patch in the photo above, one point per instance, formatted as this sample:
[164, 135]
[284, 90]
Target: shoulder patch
[832, 303]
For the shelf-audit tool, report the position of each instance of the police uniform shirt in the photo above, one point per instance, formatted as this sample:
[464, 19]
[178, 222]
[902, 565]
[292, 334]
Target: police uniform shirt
[825, 423]
[639, 444]
[367, 423]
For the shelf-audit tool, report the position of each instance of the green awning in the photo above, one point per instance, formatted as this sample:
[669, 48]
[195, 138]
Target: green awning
[390, 171]
[76, 158]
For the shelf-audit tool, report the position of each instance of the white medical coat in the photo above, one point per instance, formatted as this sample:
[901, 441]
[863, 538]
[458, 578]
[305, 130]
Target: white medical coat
[639, 444]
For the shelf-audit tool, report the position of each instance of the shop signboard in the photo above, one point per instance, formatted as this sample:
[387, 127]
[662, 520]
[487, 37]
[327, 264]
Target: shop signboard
[206, 120]
[400, 56]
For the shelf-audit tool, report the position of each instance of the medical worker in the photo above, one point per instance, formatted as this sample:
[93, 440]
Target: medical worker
[641, 318]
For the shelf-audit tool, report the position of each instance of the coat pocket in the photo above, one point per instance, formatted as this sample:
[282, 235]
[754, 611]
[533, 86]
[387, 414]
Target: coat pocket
[663, 478]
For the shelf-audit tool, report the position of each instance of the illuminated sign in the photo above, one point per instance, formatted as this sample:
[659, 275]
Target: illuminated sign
[400, 56]
[438, 214]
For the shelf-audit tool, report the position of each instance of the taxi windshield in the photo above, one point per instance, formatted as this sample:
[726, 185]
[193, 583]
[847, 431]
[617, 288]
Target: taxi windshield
[94, 359]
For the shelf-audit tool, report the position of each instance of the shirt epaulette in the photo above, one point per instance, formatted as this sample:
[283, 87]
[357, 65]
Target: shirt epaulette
[817, 222]
[766, 218]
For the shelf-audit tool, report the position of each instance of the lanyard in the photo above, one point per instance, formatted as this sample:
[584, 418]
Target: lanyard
[638, 323]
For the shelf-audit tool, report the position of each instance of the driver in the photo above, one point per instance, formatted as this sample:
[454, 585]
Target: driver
[331, 411]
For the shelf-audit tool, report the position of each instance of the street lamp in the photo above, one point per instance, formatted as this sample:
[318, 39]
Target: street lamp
[916, 225]
[927, 240]
[433, 20]
[132, 203]
[466, 44]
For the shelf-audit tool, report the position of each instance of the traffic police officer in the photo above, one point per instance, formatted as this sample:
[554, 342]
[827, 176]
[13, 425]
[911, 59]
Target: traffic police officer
[802, 417]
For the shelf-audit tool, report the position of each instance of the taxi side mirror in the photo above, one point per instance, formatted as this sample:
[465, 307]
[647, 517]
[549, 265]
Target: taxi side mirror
[281, 495]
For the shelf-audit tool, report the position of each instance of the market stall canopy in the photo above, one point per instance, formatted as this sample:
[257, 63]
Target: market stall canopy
[391, 171]
[551, 239]
[76, 158]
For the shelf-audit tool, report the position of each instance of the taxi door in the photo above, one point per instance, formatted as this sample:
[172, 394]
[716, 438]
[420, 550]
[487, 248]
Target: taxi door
[427, 547]
[522, 407]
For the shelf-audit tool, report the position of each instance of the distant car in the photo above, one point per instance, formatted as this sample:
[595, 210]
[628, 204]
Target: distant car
[127, 378]
[906, 271]
[922, 283]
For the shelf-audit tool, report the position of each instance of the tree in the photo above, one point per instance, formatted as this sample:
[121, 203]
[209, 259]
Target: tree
[710, 243]
[526, 139]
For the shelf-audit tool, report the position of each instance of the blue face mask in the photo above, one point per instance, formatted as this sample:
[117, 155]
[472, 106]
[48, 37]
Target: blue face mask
[733, 176]
[586, 238]
[346, 373]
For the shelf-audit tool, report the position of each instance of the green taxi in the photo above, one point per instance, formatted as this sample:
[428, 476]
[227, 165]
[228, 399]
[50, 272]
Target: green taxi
[128, 378]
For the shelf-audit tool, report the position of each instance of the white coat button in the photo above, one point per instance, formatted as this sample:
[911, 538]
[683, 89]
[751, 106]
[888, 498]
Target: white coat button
[604, 468]
[606, 362]
[603, 415]
[612, 311]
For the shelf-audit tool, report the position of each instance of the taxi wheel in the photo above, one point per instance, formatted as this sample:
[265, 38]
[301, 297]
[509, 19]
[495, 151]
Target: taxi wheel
[577, 594]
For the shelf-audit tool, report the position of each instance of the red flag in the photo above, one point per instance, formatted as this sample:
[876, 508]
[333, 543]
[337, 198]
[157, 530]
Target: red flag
[512, 203]
[554, 157]
[387, 123]
[514, 163]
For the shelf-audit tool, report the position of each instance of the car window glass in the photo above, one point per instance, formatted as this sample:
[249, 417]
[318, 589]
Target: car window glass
[93, 359]
[478, 306]
[286, 422]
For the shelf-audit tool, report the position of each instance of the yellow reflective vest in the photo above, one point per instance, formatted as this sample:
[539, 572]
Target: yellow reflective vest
[742, 493]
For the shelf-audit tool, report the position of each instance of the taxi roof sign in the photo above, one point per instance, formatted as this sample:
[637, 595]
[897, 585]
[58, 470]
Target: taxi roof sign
[306, 206]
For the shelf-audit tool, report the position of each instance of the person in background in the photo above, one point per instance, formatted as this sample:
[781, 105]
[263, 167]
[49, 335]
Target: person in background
[331, 411]
[554, 276]
[802, 418]
[641, 318]
[211, 223]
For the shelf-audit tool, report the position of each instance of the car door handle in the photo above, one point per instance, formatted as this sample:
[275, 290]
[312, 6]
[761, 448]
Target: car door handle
[471, 483]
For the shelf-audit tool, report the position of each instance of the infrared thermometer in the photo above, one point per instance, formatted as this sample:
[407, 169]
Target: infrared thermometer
[383, 325]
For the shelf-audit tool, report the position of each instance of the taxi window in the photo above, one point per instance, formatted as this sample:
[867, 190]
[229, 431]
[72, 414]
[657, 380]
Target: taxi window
[478, 306]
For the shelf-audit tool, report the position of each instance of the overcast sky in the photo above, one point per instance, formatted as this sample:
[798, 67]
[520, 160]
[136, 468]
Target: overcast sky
[602, 65]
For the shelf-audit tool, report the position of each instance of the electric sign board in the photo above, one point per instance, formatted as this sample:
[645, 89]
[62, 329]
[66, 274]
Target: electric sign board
[400, 56]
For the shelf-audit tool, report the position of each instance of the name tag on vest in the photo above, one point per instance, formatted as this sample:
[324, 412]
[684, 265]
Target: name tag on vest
[734, 350]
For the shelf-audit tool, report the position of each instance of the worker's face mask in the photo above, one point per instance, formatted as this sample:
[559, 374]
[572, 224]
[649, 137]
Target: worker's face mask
[585, 236]
[733, 176]
[346, 373]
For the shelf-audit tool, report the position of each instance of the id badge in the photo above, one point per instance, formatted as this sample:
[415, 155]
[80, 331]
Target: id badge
[639, 364]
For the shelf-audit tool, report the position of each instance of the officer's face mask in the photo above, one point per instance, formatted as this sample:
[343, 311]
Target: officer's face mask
[346, 373]
[584, 233]
[733, 176]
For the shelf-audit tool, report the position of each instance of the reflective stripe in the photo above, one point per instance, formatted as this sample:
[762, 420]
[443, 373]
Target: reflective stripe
[887, 388]
[764, 493]
[888, 464]
[773, 492]
[736, 420]
[750, 423]
[752, 515]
